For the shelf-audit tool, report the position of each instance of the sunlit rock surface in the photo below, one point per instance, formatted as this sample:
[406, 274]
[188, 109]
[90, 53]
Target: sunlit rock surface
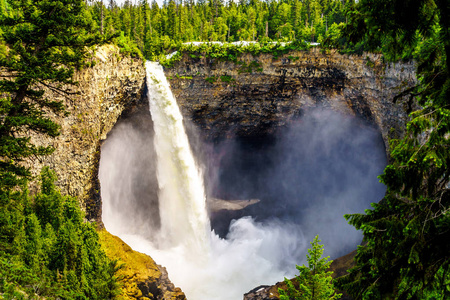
[114, 84]
[142, 277]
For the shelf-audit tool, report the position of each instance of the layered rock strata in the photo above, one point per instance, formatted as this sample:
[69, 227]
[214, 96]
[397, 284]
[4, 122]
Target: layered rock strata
[113, 87]
[253, 97]
[115, 83]
[259, 94]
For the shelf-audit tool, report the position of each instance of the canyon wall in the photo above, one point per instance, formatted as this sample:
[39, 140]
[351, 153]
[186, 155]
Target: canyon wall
[114, 84]
[252, 97]
[259, 94]
[111, 88]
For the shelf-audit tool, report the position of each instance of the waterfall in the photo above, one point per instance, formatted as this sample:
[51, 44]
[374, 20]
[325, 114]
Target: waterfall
[181, 191]
[136, 161]
[203, 265]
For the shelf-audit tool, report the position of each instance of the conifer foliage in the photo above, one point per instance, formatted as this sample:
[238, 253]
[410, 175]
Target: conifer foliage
[314, 281]
[149, 28]
[42, 43]
[407, 255]
[47, 250]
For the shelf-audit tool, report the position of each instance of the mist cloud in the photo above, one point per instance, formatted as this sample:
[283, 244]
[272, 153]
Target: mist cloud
[307, 176]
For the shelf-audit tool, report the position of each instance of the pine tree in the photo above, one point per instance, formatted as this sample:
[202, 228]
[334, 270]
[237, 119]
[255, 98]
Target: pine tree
[407, 254]
[46, 41]
[314, 281]
[171, 20]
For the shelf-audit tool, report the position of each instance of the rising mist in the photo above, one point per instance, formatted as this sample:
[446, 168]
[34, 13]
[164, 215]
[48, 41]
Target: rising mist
[307, 175]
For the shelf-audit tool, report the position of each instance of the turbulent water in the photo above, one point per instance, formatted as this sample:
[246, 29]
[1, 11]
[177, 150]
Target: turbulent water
[205, 266]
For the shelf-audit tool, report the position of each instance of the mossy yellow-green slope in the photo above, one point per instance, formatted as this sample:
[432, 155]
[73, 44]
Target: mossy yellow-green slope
[140, 276]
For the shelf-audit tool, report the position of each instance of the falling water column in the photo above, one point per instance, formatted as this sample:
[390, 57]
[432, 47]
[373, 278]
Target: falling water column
[182, 200]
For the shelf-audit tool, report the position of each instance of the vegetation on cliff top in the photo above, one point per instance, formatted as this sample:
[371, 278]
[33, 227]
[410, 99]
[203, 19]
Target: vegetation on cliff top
[230, 52]
[147, 28]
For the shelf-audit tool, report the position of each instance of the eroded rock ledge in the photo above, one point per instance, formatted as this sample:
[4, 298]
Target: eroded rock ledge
[261, 93]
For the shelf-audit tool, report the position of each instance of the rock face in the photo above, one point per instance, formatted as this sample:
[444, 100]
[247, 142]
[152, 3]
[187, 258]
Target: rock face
[261, 93]
[254, 97]
[115, 83]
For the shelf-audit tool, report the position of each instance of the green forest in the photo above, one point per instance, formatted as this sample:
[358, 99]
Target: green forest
[147, 29]
[48, 250]
[152, 29]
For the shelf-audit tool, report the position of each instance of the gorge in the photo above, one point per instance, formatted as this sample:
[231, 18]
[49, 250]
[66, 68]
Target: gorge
[248, 116]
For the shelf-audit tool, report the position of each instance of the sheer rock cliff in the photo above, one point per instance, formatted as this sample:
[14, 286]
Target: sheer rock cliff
[258, 94]
[114, 83]
[251, 97]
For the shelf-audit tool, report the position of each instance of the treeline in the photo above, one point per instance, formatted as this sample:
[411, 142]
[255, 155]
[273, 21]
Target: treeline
[151, 29]
[47, 249]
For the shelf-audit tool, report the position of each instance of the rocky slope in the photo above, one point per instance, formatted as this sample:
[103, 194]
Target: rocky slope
[261, 93]
[142, 278]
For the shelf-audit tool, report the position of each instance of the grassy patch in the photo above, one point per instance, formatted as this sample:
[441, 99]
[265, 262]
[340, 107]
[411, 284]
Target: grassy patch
[211, 79]
[226, 78]
[249, 68]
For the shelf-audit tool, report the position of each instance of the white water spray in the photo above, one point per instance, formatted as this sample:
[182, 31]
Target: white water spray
[205, 266]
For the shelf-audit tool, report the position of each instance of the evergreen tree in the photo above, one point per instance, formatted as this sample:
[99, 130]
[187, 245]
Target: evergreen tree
[314, 281]
[171, 20]
[46, 41]
[184, 21]
[407, 255]
[47, 249]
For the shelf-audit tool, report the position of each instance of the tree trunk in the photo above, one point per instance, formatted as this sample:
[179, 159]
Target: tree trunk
[101, 17]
